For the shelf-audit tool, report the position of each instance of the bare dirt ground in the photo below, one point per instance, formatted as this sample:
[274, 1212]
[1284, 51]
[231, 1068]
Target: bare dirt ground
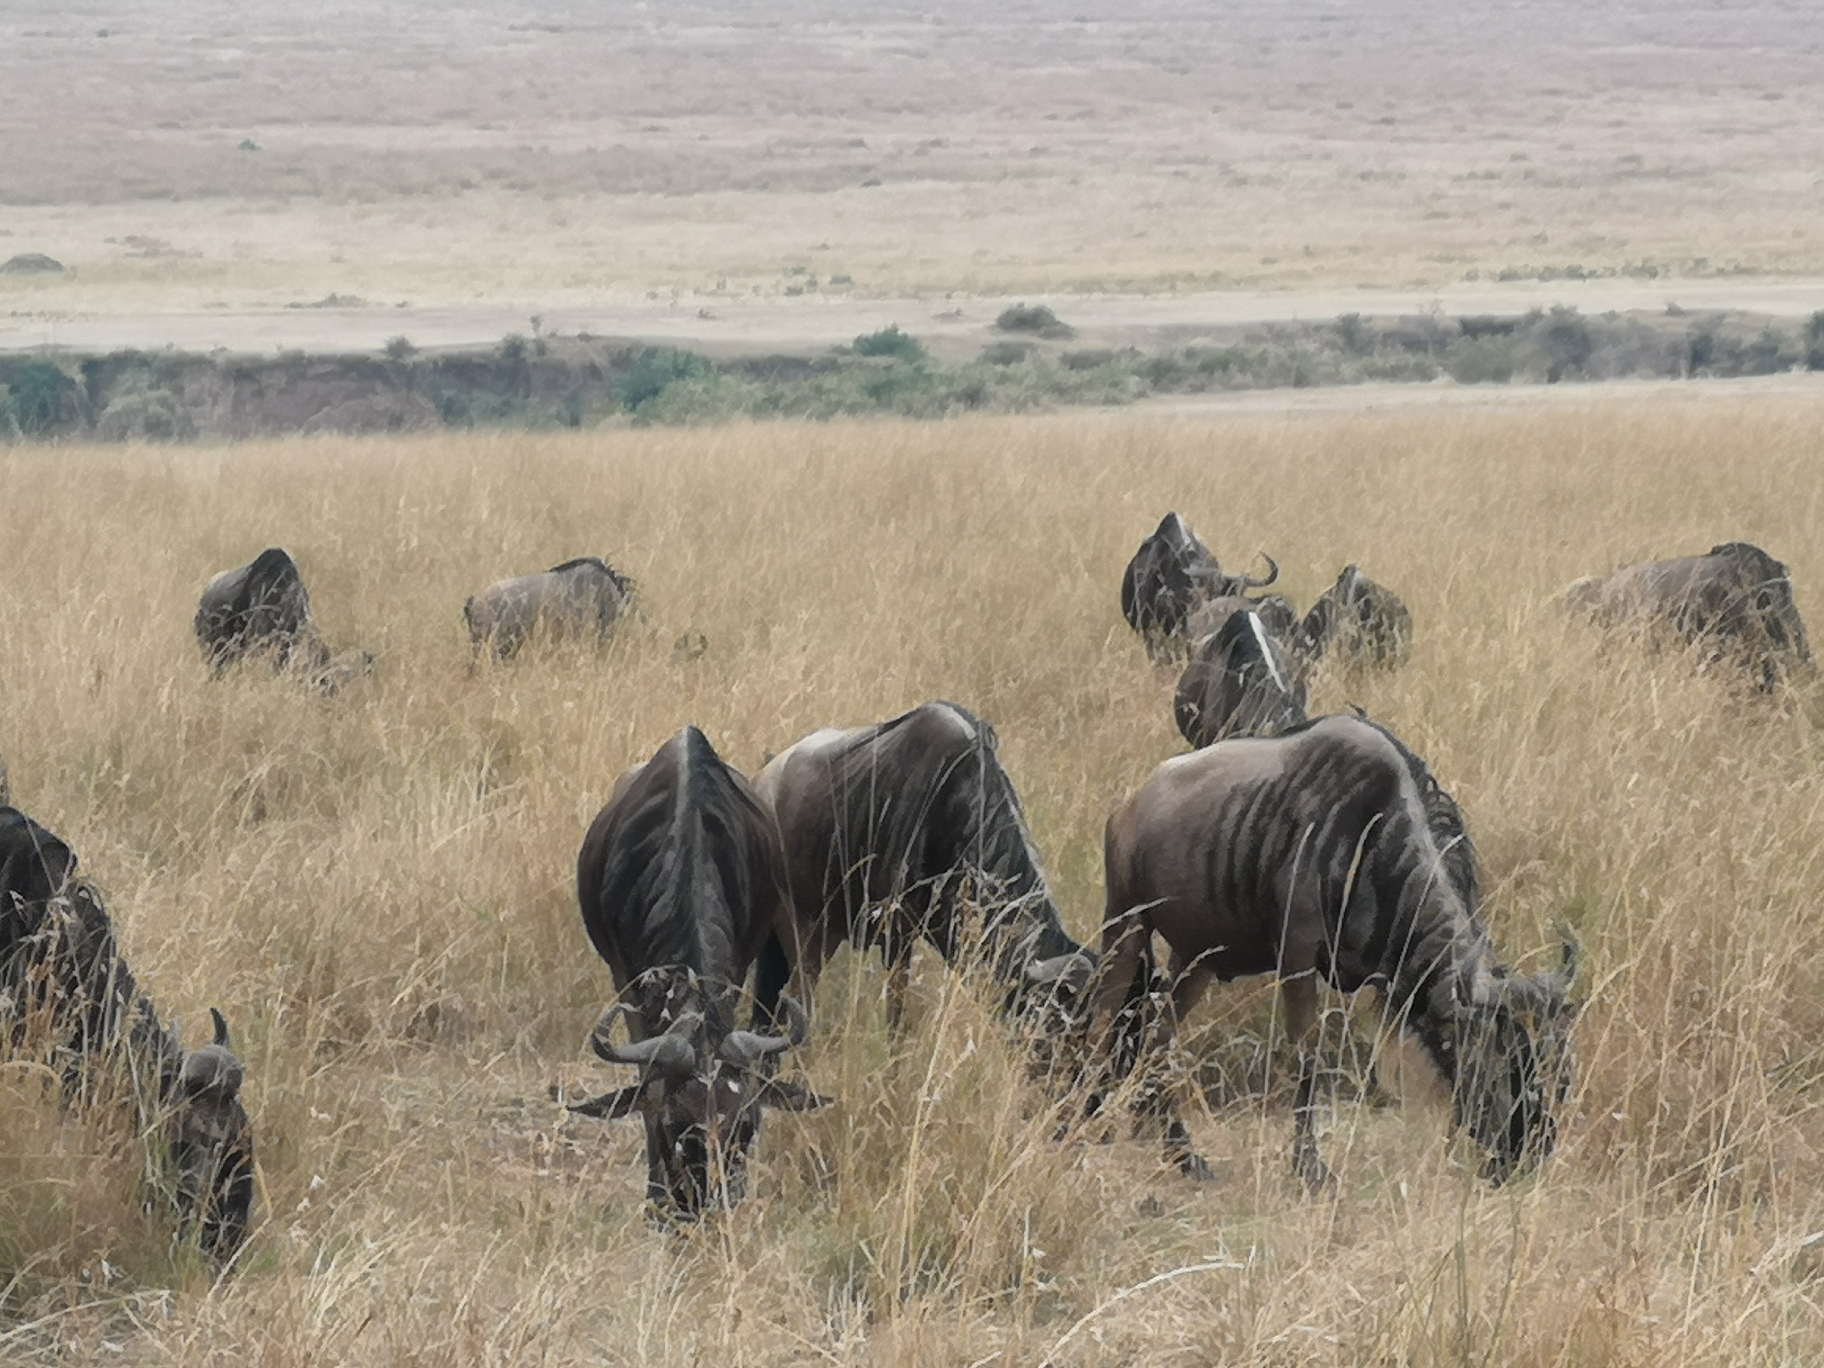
[804, 171]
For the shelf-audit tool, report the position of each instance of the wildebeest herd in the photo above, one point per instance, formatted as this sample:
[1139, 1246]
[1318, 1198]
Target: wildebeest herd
[1317, 850]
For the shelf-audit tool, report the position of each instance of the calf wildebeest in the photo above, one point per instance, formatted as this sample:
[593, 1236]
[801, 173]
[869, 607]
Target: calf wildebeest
[885, 830]
[1170, 575]
[1362, 621]
[681, 879]
[262, 608]
[1239, 683]
[1312, 855]
[68, 998]
[1737, 598]
[579, 599]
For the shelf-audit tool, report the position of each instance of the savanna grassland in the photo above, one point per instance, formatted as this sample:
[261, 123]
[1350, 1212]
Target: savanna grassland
[377, 889]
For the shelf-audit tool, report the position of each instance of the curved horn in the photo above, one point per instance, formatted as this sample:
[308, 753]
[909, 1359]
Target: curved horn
[1249, 582]
[673, 1054]
[1071, 969]
[221, 1029]
[744, 1049]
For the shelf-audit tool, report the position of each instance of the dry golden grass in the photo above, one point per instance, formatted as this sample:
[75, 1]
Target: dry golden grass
[377, 890]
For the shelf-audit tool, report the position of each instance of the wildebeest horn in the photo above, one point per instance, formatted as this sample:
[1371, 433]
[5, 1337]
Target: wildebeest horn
[672, 1054]
[744, 1049]
[1249, 582]
[1071, 969]
[221, 1028]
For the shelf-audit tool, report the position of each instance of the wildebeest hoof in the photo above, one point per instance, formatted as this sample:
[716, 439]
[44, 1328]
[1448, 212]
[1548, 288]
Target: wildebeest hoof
[1318, 1179]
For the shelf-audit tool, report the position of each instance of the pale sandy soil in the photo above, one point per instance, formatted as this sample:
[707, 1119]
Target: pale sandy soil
[948, 323]
[577, 159]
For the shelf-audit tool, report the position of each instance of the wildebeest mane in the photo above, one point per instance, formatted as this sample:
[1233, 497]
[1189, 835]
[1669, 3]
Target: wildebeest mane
[681, 856]
[624, 583]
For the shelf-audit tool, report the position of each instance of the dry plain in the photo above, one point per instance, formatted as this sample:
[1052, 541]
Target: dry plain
[377, 889]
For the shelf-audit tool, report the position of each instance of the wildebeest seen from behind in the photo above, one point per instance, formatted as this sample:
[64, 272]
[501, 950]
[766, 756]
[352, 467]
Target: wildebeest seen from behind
[262, 608]
[1737, 598]
[68, 999]
[681, 880]
[1309, 856]
[1359, 620]
[1169, 576]
[1239, 683]
[581, 599]
[885, 829]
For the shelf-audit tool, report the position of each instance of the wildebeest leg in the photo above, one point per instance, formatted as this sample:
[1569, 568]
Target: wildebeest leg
[899, 983]
[1300, 997]
[1188, 983]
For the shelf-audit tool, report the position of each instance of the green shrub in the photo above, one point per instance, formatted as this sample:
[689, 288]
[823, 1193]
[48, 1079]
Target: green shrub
[40, 397]
[890, 341]
[1037, 319]
[1484, 361]
[1006, 353]
[1814, 341]
[654, 370]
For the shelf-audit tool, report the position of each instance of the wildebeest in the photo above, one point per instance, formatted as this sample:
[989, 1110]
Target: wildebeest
[1737, 598]
[1277, 615]
[1362, 621]
[886, 828]
[1239, 683]
[579, 599]
[681, 880]
[262, 608]
[1309, 856]
[1170, 575]
[68, 999]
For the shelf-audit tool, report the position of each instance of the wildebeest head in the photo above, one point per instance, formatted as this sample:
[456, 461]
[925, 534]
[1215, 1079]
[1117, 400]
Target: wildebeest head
[259, 607]
[1238, 683]
[1169, 576]
[1360, 618]
[1767, 589]
[701, 1093]
[212, 1144]
[1512, 1064]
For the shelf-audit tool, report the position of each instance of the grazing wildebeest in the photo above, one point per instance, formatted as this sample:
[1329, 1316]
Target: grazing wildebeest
[1239, 683]
[68, 999]
[1362, 621]
[1170, 575]
[681, 879]
[886, 829]
[1309, 856]
[1738, 598]
[262, 608]
[579, 599]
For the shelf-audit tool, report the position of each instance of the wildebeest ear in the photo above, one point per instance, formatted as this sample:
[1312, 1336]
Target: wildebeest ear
[610, 1106]
[783, 1096]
